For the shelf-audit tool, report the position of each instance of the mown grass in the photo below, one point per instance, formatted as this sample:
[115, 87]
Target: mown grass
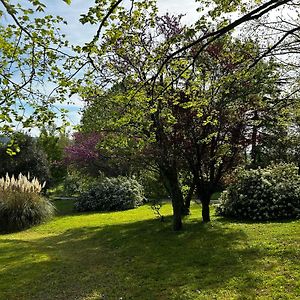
[131, 255]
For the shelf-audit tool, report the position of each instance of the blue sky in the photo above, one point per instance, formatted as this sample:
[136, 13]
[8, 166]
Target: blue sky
[79, 33]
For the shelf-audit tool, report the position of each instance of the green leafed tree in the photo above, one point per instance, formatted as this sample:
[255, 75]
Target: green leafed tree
[30, 159]
[33, 65]
[193, 117]
[53, 146]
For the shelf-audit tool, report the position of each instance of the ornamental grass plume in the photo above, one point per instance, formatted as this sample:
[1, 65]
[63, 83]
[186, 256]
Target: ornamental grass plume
[21, 184]
[21, 203]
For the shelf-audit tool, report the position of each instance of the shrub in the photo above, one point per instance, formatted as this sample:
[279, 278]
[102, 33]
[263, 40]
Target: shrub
[87, 156]
[152, 184]
[111, 194]
[263, 194]
[76, 183]
[21, 205]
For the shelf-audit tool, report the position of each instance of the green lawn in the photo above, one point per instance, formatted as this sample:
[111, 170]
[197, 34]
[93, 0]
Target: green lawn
[131, 255]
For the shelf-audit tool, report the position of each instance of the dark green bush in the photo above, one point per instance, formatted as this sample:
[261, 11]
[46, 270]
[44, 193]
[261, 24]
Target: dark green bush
[30, 159]
[153, 186]
[264, 194]
[111, 194]
[76, 183]
[21, 205]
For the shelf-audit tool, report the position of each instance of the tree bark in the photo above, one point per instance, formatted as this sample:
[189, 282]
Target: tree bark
[205, 210]
[187, 200]
[177, 215]
[170, 179]
[254, 150]
[204, 192]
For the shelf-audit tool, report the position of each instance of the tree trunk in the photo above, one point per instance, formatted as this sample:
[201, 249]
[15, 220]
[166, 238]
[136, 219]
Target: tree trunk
[177, 215]
[205, 210]
[170, 179]
[254, 148]
[204, 192]
[187, 200]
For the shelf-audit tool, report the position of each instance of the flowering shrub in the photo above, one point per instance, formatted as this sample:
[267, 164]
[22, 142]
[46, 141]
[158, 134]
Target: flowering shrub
[111, 194]
[84, 149]
[86, 156]
[21, 205]
[264, 194]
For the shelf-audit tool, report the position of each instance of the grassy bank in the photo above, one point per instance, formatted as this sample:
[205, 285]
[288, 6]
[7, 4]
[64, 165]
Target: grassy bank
[131, 255]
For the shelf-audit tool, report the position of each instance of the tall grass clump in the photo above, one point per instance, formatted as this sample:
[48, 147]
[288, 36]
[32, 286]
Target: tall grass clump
[21, 203]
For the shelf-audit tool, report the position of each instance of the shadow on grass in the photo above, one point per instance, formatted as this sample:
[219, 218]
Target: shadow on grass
[141, 260]
[230, 220]
[64, 207]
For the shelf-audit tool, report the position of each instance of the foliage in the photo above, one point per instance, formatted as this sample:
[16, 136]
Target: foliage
[111, 194]
[32, 52]
[76, 182]
[156, 206]
[21, 205]
[82, 153]
[152, 183]
[83, 149]
[86, 155]
[53, 145]
[29, 159]
[263, 194]
[277, 135]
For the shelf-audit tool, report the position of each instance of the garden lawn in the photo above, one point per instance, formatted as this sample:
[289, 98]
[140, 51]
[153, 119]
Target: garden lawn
[132, 255]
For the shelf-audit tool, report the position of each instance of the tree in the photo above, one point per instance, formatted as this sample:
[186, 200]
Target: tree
[87, 156]
[140, 111]
[32, 53]
[276, 134]
[189, 125]
[53, 145]
[212, 130]
[30, 159]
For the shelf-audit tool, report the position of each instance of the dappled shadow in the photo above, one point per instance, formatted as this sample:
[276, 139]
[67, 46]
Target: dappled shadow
[141, 260]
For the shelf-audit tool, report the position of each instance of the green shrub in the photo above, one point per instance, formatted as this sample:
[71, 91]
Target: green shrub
[76, 183]
[153, 186]
[111, 194]
[21, 205]
[264, 194]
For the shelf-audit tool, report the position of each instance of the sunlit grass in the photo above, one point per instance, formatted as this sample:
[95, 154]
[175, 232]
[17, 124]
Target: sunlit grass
[132, 255]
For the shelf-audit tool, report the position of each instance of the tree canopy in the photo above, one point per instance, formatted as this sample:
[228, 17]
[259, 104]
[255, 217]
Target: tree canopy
[35, 65]
[198, 120]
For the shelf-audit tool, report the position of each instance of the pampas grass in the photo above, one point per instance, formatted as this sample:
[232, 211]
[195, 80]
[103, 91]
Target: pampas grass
[21, 203]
